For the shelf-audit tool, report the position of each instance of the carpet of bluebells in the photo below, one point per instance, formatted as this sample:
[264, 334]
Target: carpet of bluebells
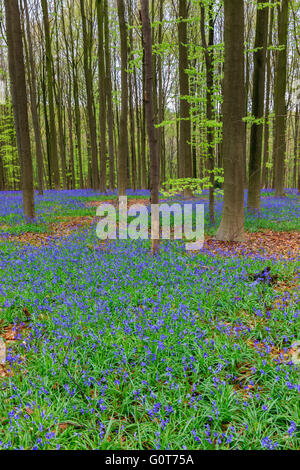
[128, 351]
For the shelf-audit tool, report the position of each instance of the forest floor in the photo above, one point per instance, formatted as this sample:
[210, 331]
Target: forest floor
[114, 349]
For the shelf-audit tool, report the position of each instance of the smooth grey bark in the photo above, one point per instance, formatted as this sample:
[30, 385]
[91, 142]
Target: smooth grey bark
[110, 115]
[94, 173]
[150, 118]
[185, 153]
[19, 100]
[102, 94]
[232, 223]
[53, 154]
[123, 140]
[258, 95]
[280, 108]
[33, 101]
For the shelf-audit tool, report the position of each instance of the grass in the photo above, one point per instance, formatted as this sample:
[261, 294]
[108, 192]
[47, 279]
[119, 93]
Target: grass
[126, 351]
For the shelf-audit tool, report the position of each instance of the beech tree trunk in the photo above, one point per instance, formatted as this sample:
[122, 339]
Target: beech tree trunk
[102, 94]
[71, 178]
[90, 102]
[264, 178]
[19, 100]
[209, 103]
[150, 118]
[232, 223]
[74, 68]
[123, 140]
[161, 142]
[131, 107]
[143, 128]
[260, 46]
[58, 85]
[110, 116]
[138, 137]
[280, 109]
[33, 102]
[185, 153]
[54, 167]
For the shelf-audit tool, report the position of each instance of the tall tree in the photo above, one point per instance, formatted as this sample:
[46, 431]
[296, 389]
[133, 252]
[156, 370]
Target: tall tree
[280, 109]
[267, 107]
[185, 153]
[54, 167]
[131, 103]
[102, 94]
[89, 96]
[161, 100]
[232, 223]
[74, 67]
[143, 127]
[110, 115]
[123, 140]
[19, 99]
[150, 117]
[258, 95]
[208, 53]
[31, 68]
[72, 177]
[58, 85]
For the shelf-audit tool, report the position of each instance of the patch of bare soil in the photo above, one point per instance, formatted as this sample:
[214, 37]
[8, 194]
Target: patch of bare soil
[57, 230]
[281, 245]
[115, 202]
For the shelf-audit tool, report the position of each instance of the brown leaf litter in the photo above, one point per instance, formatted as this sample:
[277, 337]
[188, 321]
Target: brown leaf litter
[56, 231]
[115, 202]
[281, 245]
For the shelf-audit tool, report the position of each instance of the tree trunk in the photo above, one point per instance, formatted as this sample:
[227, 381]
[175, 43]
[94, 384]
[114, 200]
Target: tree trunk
[131, 106]
[110, 116]
[58, 85]
[74, 70]
[33, 103]
[123, 141]
[19, 99]
[185, 154]
[70, 126]
[279, 145]
[138, 126]
[209, 103]
[132, 137]
[143, 127]
[55, 177]
[72, 180]
[260, 46]
[161, 146]
[102, 94]
[90, 104]
[232, 223]
[47, 129]
[267, 110]
[152, 132]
